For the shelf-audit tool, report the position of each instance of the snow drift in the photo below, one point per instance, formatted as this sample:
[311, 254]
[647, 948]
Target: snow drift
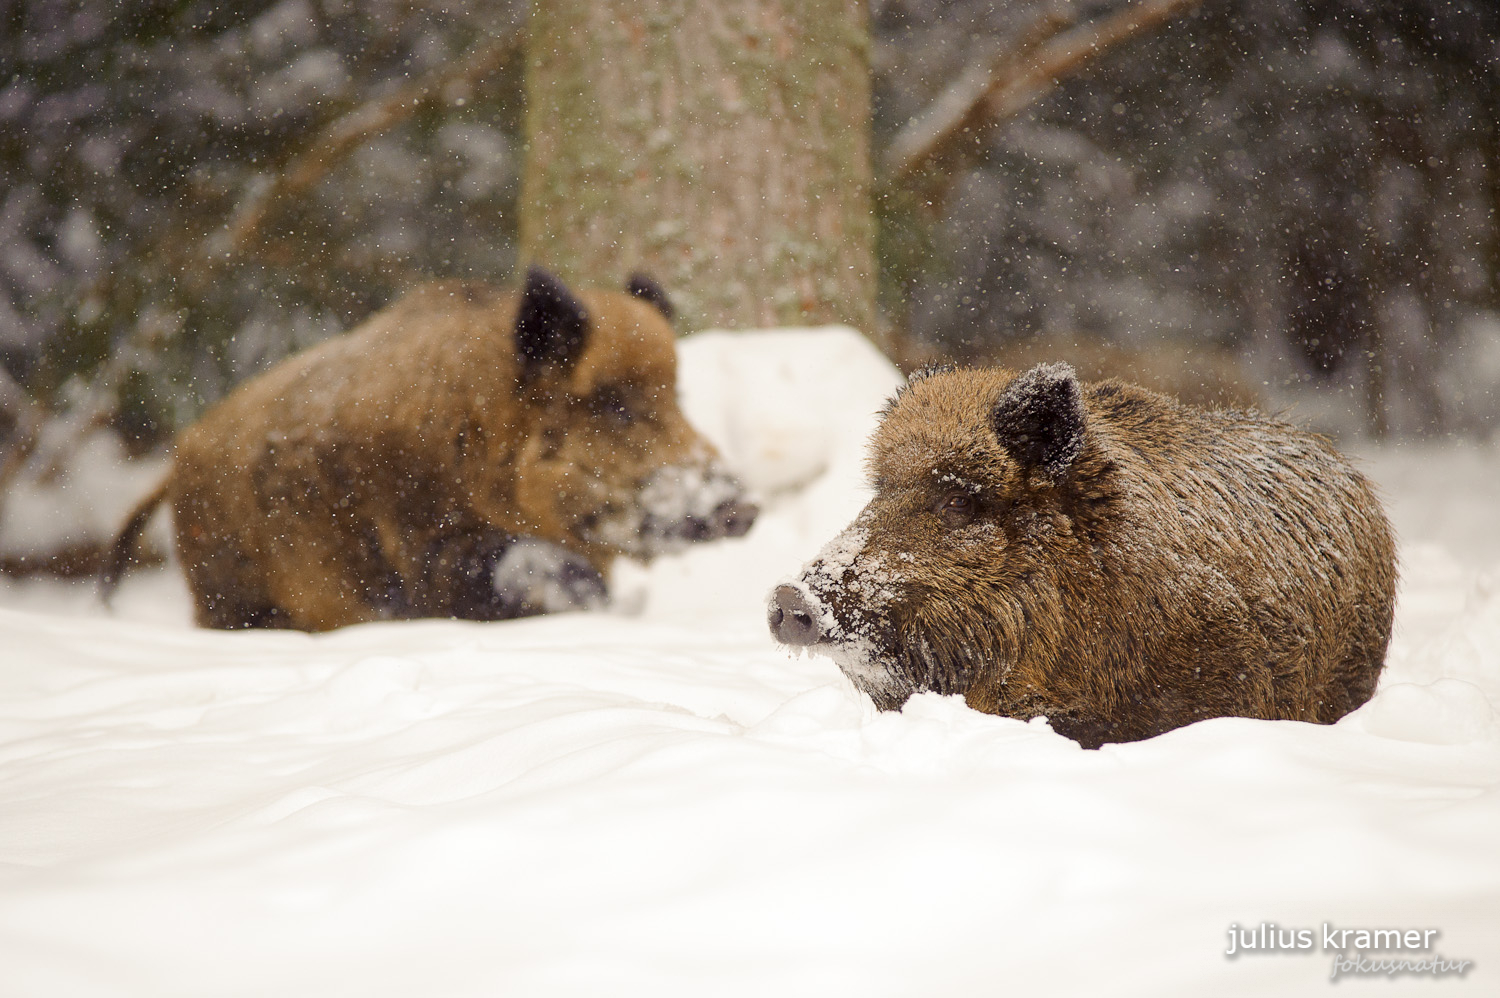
[657, 800]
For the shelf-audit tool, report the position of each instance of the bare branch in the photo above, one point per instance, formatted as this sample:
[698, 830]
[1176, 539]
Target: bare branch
[988, 95]
[960, 108]
[348, 133]
[198, 265]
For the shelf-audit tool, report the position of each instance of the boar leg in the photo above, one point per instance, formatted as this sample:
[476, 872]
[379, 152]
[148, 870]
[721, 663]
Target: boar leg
[229, 590]
[456, 571]
[490, 575]
[226, 596]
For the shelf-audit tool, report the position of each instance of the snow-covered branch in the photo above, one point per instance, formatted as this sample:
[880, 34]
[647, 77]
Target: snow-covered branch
[992, 91]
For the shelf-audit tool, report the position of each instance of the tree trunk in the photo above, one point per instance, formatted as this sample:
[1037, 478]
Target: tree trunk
[721, 146]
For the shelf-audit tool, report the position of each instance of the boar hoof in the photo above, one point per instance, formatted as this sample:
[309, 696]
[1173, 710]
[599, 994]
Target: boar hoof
[791, 618]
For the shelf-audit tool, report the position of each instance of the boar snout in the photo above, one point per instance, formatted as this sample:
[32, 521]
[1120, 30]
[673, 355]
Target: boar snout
[684, 504]
[792, 617]
[732, 518]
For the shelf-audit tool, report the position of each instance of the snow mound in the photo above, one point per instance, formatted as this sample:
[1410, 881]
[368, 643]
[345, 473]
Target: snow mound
[84, 502]
[786, 407]
[656, 799]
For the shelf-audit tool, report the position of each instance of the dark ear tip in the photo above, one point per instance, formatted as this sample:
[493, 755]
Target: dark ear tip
[1039, 418]
[538, 279]
[551, 324]
[1055, 372]
[644, 287]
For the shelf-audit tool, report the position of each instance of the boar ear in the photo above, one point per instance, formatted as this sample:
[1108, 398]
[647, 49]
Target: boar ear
[551, 324]
[1039, 419]
[646, 289]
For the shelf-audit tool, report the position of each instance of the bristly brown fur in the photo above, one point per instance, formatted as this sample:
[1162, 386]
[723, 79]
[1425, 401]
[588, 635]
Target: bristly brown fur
[1189, 564]
[383, 473]
[925, 371]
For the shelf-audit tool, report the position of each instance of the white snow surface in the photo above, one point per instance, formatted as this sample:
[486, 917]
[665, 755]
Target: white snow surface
[658, 800]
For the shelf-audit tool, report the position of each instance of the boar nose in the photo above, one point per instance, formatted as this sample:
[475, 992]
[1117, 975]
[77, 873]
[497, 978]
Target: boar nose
[791, 617]
[733, 517]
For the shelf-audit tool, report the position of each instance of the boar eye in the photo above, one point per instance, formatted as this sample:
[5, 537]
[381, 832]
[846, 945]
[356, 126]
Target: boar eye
[957, 508]
[609, 404]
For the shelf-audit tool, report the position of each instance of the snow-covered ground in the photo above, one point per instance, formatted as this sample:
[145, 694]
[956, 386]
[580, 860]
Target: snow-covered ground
[656, 800]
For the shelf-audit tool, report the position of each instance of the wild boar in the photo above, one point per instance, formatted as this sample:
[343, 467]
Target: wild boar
[1101, 555]
[466, 452]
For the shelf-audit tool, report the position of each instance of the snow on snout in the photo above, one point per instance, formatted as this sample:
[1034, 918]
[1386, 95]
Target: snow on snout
[678, 504]
[865, 579]
[846, 587]
[680, 492]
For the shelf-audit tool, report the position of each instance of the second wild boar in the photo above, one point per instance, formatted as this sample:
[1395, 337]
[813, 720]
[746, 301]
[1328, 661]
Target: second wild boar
[467, 452]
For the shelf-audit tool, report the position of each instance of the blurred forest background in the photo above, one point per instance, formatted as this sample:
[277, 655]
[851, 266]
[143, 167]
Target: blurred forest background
[1303, 194]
